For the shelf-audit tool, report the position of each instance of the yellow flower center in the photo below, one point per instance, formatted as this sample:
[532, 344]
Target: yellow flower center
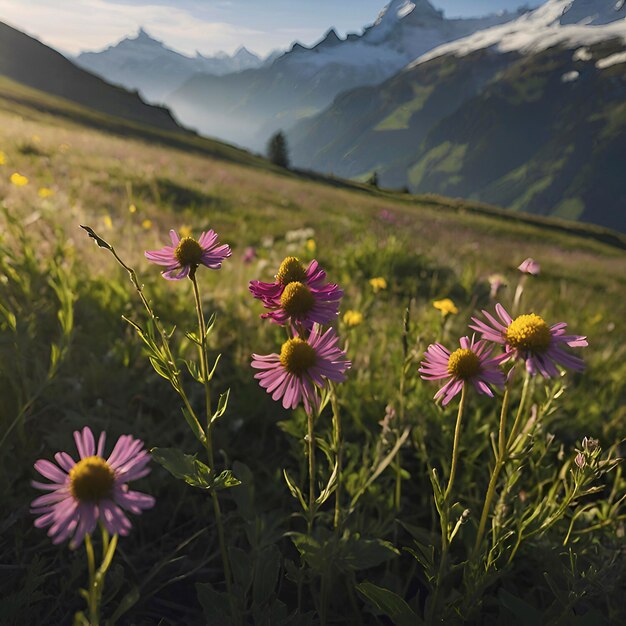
[463, 363]
[297, 299]
[188, 252]
[291, 271]
[91, 479]
[529, 332]
[297, 356]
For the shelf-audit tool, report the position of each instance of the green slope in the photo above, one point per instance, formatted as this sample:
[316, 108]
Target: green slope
[497, 128]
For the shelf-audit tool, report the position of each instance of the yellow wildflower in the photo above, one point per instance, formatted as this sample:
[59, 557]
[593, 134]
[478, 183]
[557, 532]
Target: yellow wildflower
[446, 306]
[378, 284]
[185, 231]
[3, 158]
[132, 208]
[311, 246]
[352, 318]
[45, 192]
[146, 224]
[18, 180]
[108, 222]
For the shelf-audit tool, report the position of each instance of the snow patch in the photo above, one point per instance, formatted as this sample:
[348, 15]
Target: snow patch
[570, 77]
[614, 59]
[556, 22]
[405, 10]
[582, 54]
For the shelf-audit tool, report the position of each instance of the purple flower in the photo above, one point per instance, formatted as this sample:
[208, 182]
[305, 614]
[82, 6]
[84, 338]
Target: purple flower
[249, 255]
[183, 257]
[298, 294]
[529, 338]
[469, 364]
[301, 366]
[530, 266]
[92, 489]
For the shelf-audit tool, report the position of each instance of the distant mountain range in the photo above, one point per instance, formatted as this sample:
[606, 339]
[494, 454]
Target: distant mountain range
[34, 64]
[530, 115]
[249, 106]
[148, 65]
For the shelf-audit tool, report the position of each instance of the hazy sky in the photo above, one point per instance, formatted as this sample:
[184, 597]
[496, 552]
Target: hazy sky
[207, 25]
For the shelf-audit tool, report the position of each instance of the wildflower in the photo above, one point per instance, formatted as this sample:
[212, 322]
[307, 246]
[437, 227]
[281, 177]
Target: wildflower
[92, 489]
[446, 306]
[108, 222]
[3, 158]
[311, 246]
[183, 257]
[301, 366]
[298, 294]
[45, 192]
[529, 338]
[18, 180]
[352, 318]
[580, 460]
[378, 284]
[249, 255]
[496, 282]
[469, 364]
[185, 231]
[146, 224]
[530, 266]
[132, 208]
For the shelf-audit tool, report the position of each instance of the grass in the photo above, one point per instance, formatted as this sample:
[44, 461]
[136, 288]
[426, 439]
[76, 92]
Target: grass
[132, 185]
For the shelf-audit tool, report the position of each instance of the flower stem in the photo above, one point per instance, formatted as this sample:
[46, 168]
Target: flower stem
[311, 451]
[504, 446]
[204, 369]
[455, 446]
[92, 598]
[338, 442]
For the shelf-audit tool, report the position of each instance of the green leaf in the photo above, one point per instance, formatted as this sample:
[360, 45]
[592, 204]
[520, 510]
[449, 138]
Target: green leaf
[226, 480]
[210, 324]
[389, 603]
[295, 491]
[99, 241]
[195, 426]
[214, 604]
[358, 554]
[194, 370]
[222, 404]
[159, 367]
[241, 566]
[193, 337]
[212, 372]
[184, 466]
[266, 571]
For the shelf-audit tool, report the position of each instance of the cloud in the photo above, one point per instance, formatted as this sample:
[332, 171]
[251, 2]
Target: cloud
[93, 24]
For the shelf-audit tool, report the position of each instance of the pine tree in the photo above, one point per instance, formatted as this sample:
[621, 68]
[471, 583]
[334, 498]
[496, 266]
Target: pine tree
[277, 151]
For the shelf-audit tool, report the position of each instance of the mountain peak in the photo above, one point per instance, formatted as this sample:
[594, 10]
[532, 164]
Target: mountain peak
[144, 37]
[330, 39]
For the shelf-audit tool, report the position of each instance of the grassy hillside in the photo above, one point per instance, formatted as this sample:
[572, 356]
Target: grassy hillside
[539, 133]
[67, 359]
[32, 63]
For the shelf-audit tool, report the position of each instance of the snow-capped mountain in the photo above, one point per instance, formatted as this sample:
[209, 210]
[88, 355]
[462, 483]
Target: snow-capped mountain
[248, 107]
[148, 65]
[557, 22]
[527, 115]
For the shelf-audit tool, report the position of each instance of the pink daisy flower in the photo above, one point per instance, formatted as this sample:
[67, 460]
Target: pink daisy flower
[183, 257]
[92, 489]
[301, 366]
[299, 294]
[529, 266]
[469, 364]
[529, 338]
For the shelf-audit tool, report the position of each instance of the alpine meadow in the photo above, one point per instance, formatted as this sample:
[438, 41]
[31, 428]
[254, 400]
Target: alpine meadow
[303, 387]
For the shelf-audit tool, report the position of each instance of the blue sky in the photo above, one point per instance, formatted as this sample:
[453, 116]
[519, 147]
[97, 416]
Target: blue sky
[208, 25]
